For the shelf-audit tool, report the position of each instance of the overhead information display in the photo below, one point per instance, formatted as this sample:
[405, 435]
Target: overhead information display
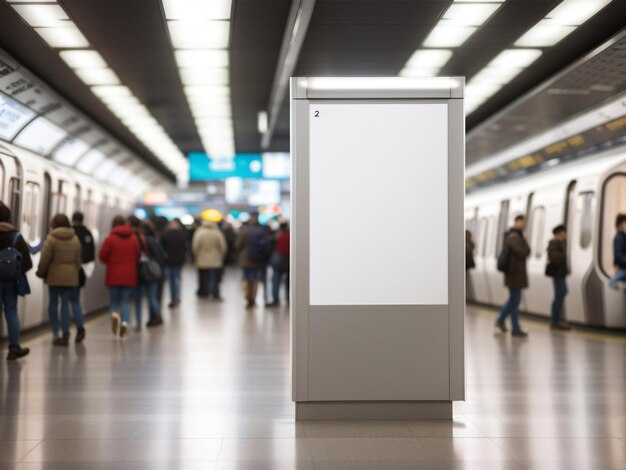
[40, 136]
[13, 116]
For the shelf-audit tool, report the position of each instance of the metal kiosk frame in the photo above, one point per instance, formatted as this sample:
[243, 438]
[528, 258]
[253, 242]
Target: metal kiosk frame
[314, 381]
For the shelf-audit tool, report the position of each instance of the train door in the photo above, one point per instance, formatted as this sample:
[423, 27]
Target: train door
[60, 198]
[479, 274]
[580, 306]
[613, 202]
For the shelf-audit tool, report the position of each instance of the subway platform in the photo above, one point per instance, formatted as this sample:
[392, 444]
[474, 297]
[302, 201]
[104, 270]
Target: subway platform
[211, 390]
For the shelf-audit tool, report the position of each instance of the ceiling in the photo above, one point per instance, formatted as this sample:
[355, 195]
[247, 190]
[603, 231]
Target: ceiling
[345, 37]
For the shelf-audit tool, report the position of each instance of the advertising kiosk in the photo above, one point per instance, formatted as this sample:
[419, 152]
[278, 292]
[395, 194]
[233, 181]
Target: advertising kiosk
[377, 263]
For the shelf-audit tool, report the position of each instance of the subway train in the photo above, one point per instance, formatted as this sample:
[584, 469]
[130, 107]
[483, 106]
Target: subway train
[35, 189]
[585, 195]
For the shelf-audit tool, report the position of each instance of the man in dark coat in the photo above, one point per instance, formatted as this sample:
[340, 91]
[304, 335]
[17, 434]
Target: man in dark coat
[88, 255]
[8, 289]
[557, 270]
[174, 240]
[515, 277]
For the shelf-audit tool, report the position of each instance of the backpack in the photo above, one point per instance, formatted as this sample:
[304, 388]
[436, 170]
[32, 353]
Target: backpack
[259, 248]
[11, 262]
[504, 258]
[149, 269]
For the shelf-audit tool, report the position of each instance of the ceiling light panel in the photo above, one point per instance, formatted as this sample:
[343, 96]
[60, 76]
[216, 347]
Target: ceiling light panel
[546, 33]
[201, 58]
[576, 12]
[449, 34]
[208, 76]
[199, 34]
[197, 9]
[42, 15]
[83, 59]
[429, 58]
[98, 76]
[470, 14]
[515, 58]
[63, 37]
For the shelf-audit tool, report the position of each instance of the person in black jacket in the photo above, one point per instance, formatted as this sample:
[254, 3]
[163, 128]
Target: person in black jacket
[8, 289]
[174, 240]
[557, 270]
[619, 252]
[88, 255]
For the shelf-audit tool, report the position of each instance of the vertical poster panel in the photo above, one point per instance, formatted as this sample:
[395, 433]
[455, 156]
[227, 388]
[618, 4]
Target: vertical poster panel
[378, 203]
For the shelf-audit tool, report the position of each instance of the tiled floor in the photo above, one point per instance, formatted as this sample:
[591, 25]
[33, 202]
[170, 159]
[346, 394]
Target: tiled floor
[210, 390]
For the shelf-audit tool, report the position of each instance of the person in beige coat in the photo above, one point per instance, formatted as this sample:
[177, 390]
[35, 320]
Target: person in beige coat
[209, 248]
[59, 266]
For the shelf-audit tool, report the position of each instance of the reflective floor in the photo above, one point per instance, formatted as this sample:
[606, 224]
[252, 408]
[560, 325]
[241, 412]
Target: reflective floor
[210, 390]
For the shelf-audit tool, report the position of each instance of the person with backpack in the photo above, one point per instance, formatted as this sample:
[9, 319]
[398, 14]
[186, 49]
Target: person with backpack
[88, 257]
[512, 262]
[150, 271]
[557, 270]
[279, 261]
[254, 248]
[120, 252]
[59, 267]
[15, 262]
[209, 249]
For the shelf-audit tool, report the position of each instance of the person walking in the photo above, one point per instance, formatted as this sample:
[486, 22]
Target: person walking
[557, 270]
[516, 251]
[174, 240]
[279, 261]
[209, 249]
[151, 246]
[16, 262]
[253, 246]
[469, 264]
[59, 266]
[619, 252]
[88, 257]
[120, 252]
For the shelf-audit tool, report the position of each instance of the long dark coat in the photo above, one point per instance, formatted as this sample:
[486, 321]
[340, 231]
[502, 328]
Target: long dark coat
[516, 277]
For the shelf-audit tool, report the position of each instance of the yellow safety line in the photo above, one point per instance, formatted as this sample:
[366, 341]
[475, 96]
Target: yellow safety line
[610, 337]
[43, 336]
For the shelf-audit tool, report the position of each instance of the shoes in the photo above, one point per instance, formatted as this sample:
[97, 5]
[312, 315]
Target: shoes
[272, 304]
[154, 322]
[80, 336]
[501, 326]
[63, 341]
[561, 326]
[115, 323]
[173, 304]
[520, 334]
[250, 305]
[218, 299]
[137, 329]
[123, 329]
[15, 352]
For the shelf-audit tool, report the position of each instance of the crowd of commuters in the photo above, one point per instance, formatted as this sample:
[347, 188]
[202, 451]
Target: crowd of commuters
[140, 257]
[512, 263]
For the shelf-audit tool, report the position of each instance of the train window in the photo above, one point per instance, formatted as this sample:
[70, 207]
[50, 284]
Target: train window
[30, 212]
[61, 199]
[1, 180]
[586, 218]
[77, 196]
[482, 233]
[538, 225]
[47, 204]
[502, 225]
[14, 200]
[613, 203]
[493, 235]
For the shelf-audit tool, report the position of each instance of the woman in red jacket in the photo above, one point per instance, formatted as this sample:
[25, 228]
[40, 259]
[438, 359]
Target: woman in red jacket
[120, 252]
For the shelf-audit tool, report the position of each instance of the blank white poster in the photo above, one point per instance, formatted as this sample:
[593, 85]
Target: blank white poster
[378, 204]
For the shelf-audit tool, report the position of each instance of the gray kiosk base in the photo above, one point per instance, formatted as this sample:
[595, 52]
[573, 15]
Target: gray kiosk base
[374, 410]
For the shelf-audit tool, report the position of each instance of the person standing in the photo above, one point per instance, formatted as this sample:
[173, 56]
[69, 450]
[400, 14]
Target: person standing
[469, 251]
[88, 255]
[557, 270]
[279, 261]
[174, 240]
[253, 246]
[619, 251]
[120, 252]
[515, 276]
[15, 254]
[59, 266]
[209, 249]
[155, 252]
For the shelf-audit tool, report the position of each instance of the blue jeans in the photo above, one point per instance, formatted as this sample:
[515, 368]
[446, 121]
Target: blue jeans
[8, 298]
[77, 309]
[560, 291]
[254, 274]
[119, 301]
[63, 293]
[620, 275]
[512, 308]
[173, 276]
[276, 280]
[150, 289]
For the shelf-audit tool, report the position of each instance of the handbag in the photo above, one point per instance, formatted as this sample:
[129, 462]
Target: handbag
[148, 270]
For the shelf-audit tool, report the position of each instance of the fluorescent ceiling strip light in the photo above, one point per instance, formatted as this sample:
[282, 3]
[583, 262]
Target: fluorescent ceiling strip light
[470, 14]
[42, 15]
[199, 34]
[82, 59]
[208, 76]
[99, 76]
[63, 37]
[546, 33]
[429, 58]
[449, 34]
[190, 58]
[576, 12]
[197, 9]
[420, 71]
[515, 58]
